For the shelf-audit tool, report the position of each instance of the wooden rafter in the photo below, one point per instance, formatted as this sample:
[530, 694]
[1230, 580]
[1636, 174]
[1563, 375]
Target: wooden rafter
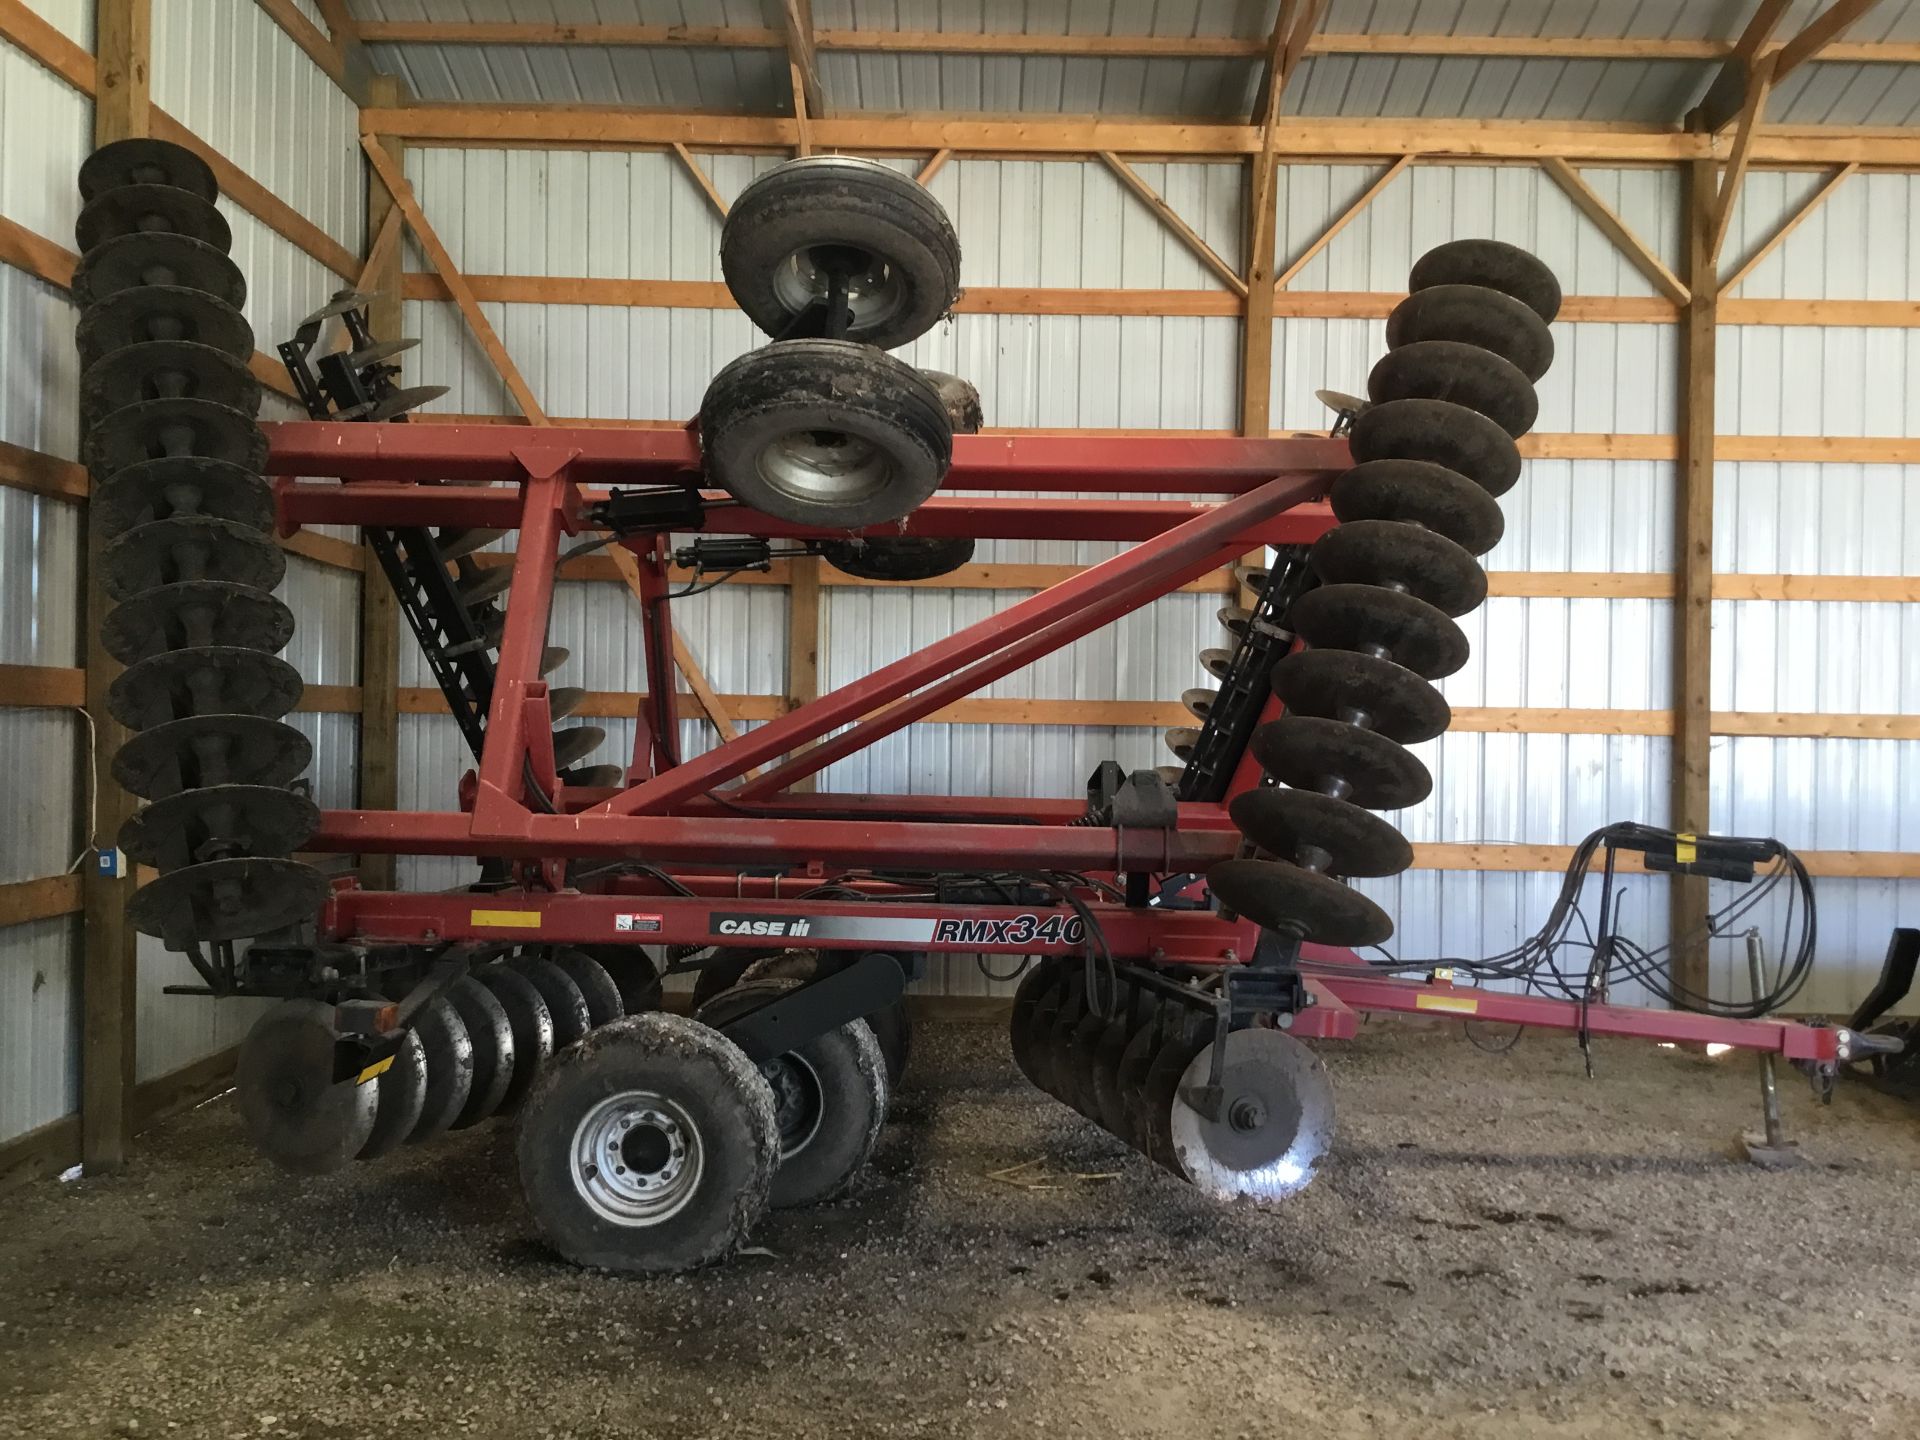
[1169, 217]
[1820, 33]
[1132, 47]
[796, 29]
[1792, 223]
[700, 178]
[1340, 222]
[316, 43]
[1589, 203]
[1723, 98]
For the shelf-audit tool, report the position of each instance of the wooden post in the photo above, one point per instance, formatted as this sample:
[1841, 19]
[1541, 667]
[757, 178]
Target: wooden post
[379, 759]
[1693, 572]
[1256, 340]
[123, 30]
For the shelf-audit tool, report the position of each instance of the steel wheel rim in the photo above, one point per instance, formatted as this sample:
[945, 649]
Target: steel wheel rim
[875, 290]
[637, 1159]
[799, 1102]
[833, 466]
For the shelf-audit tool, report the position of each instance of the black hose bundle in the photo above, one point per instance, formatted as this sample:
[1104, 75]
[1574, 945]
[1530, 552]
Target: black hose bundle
[1611, 959]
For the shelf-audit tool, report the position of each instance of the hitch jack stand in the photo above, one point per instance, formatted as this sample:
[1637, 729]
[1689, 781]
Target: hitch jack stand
[1768, 1148]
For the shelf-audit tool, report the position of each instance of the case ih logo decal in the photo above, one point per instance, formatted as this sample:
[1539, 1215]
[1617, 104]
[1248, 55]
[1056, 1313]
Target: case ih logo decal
[1052, 929]
[762, 925]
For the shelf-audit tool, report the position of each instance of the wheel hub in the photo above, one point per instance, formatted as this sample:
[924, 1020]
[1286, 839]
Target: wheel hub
[637, 1158]
[797, 1101]
[874, 289]
[825, 465]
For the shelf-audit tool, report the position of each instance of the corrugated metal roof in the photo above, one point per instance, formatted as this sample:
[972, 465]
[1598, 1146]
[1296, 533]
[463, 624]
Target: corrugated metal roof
[1650, 90]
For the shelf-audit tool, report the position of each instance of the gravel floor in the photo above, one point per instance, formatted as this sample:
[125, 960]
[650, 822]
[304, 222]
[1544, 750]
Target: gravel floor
[1497, 1248]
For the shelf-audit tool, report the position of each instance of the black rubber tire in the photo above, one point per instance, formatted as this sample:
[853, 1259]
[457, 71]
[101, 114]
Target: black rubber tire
[890, 1024]
[726, 1101]
[492, 1035]
[836, 200]
[403, 1098]
[962, 400]
[532, 1026]
[566, 1003]
[633, 973]
[722, 971]
[897, 557]
[840, 1081]
[807, 406]
[604, 1002]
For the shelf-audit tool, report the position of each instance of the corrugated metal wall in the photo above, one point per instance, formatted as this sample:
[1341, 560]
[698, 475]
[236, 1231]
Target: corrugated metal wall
[45, 130]
[233, 77]
[1828, 519]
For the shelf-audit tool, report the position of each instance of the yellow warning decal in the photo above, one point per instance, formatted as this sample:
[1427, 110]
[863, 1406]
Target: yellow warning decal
[1453, 1004]
[379, 1067]
[1683, 850]
[507, 919]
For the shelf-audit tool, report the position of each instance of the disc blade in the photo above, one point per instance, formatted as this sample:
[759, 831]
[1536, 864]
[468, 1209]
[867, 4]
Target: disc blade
[1463, 374]
[160, 429]
[145, 161]
[596, 777]
[379, 352]
[1275, 1121]
[1303, 751]
[401, 401]
[342, 302]
[167, 489]
[130, 260]
[1390, 553]
[1442, 433]
[1287, 823]
[1284, 898]
[1331, 683]
[492, 1035]
[227, 900]
[1235, 619]
[1199, 700]
[566, 1004]
[1474, 315]
[1494, 264]
[283, 1086]
[1421, 493]
[210, 750]
[566, 700]
[458, 544]
[448, 1050]
[213, 680]
[148, 314]
[219, 822]
[192, 549]
[604, 1005]
[1217, 663]
[572, 746]
[532, 1025]
[150, 210]
[403, 1098]
[1372, 619]
[487, 584]
[167, 370]
[1181, 740]
[195, 612]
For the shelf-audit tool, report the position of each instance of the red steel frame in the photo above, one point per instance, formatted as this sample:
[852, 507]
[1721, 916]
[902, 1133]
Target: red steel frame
[677, 817]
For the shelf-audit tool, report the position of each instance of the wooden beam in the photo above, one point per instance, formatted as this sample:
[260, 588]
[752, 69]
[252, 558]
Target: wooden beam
[1341, 221]
[1725, 96]
[612, 127]
[1139, 47]
[316, 45]
[1691, 797]
[40, 474]
[1759, 86]
[1256, 330]
[122, 109]
[1271, 61]
[1821, 32]
[42, 686]
[1792, 223]
[796, 25]
[936, 162]
[24, 901]
[1589, 203]
[391, 176]
[38, 37]
[1180, 229]
[700, 178]
[323, 550]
